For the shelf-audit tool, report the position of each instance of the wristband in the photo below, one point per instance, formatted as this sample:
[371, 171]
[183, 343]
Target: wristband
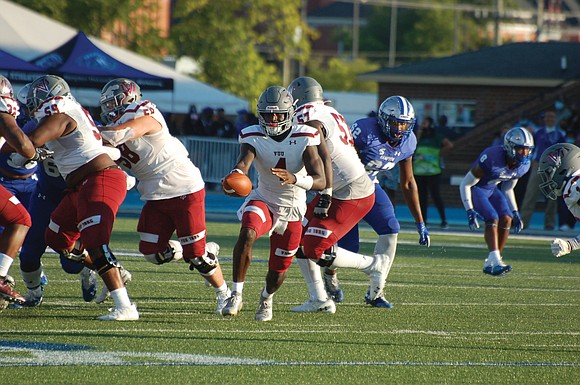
[304, 181]
[327, 191]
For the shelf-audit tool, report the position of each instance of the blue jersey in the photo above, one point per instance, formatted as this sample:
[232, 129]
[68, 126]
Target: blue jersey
[493, 162]
[373, 149]
[7, 165]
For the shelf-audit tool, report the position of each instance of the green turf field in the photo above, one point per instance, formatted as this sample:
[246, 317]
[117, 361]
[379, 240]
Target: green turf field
[450, 324]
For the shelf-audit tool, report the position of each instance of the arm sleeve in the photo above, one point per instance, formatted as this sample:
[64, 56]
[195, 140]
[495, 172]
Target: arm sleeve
[465, 189]
[508, 189]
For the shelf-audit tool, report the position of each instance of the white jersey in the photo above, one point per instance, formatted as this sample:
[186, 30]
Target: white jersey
[9, 106]
[350, 180]
[287, 201]
[159, 161]
[78, 147]
[571, 195]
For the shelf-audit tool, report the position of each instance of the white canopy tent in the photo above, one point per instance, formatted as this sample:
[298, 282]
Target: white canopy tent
[27, 35]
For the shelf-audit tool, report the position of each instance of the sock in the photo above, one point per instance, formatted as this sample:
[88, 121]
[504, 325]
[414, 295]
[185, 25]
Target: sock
[222, 289]
[345, 258]
[238, 287]
[494, 258]
[267, 295]
[32, 278]
[311, 273]
[386, 248]
[121, 298]
[5, 263]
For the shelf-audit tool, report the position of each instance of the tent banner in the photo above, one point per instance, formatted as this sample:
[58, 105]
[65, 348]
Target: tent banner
[96, 81]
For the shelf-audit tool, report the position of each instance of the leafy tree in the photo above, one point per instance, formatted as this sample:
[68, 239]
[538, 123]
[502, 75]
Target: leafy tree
[128, 21]
[341, 75]
[240, 43]
[421, 33]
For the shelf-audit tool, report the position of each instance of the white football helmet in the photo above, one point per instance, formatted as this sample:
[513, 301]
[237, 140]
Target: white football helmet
[517, 138]
[305, 89]
[277, 100]
[396, 118]
[44, 88]
[6, 88]
[116, 96]
[557, 164]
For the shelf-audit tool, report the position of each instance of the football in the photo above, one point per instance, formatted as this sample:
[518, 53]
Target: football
[236, 184]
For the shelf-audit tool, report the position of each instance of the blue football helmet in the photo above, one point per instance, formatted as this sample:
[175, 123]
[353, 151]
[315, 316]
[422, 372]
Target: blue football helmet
[518, 138]
[396, 118]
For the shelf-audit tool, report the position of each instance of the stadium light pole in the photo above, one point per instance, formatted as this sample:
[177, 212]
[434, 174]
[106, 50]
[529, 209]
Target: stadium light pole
[393, 36]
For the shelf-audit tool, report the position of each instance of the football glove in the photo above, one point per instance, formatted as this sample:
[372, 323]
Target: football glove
[472, 216]
[560, 247]
[41, 154]
[517, 223]
[323, 205]
[424, 239]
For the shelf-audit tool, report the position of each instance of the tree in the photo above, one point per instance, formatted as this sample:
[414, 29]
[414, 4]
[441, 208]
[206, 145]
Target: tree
[129, 22]
[341, 75]
[241, 43]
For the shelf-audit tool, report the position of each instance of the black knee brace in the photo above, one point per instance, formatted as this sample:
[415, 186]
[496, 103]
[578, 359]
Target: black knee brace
[205, 265]
[327, 258]
[105, 261]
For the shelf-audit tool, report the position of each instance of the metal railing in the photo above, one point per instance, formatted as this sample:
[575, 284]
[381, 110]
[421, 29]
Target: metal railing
[215, 157]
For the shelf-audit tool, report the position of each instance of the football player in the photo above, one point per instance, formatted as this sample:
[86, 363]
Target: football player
[13, 216]
[286, 158]
[381, 143]
[169, 183]
[483, 199]
[339, 207]
[559, 173]
[96, 186]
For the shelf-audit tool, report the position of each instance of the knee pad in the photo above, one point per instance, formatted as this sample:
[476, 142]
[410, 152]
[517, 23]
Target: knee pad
[327, 258]
[206, 265]
[71, 255]
[174, 252]
[300, 254]
[105, 261]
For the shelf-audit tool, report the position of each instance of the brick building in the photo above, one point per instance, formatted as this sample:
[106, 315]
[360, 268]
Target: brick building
[483, 90]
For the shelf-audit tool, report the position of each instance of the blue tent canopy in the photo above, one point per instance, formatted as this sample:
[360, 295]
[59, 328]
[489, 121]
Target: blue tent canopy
[18, 70]
[82, 64]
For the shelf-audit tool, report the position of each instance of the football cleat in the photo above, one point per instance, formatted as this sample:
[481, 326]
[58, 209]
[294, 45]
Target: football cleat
[105, 294]
[377, 277]
[264, 312]
[7, 290]
[222, 298]
[497, 270]
[43, 279]
[379, 301]
[333, 288]
[233, 305]
[89, 283]
[123, 314]
[32, 299]
[12, 283]
[315, 305]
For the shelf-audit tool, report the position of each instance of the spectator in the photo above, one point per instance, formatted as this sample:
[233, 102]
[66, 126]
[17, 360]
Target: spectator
[222, 127]
[204, 125]
[548, 134]
[427, 167]
[189, 123]
[245, 119]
